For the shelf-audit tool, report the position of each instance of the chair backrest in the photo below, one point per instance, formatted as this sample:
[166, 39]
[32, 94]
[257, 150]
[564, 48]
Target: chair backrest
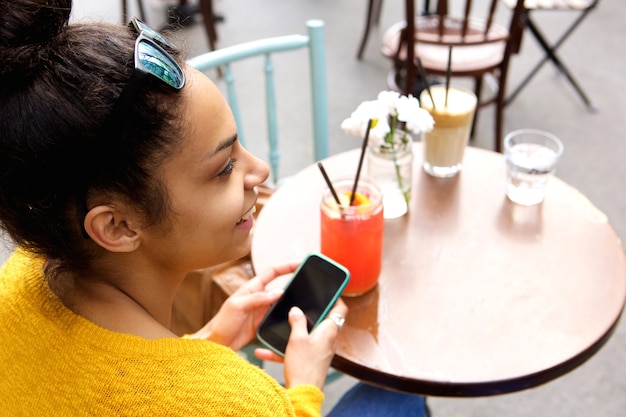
[472, 23]
[468, 23]
[555, 4]
[314, 41]
[468, 26]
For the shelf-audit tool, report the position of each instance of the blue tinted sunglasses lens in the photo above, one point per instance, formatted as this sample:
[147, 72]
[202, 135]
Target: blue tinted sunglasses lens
[160, 64]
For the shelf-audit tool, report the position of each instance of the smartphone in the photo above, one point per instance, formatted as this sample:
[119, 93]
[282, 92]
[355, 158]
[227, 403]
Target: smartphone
[314, 288]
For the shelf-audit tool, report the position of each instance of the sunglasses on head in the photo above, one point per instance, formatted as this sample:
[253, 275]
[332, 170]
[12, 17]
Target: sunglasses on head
[150, 60]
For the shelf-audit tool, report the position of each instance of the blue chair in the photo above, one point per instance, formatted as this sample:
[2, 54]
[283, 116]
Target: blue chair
[314, 41]
[223, 58]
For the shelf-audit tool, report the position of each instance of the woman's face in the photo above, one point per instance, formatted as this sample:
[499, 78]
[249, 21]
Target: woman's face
[210, 181]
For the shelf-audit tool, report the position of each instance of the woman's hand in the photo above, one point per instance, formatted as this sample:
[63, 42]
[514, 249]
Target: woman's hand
[308, 355]
[236, 322]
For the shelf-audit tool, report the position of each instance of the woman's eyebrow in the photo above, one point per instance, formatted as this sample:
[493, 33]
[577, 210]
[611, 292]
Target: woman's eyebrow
[225, 144]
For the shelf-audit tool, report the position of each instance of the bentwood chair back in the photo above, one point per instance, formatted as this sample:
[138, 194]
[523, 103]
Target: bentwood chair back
[267, 48]
[479, 45]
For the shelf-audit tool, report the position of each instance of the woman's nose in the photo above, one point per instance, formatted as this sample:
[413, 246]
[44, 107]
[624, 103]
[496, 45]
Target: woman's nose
[258, 172]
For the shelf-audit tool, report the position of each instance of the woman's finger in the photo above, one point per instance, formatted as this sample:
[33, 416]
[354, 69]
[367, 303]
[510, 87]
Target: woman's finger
[269, 275]
[259, 282]
[335, 319]
[297, 321]
[340, 308]
[268, 355]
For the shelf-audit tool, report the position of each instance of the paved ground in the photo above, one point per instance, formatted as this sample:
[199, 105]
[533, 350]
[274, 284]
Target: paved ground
[593, 160]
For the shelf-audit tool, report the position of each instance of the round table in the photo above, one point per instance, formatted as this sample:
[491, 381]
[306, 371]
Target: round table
[477, 295]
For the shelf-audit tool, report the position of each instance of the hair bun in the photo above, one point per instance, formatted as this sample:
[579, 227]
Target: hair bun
[26, 22]
[27, 27]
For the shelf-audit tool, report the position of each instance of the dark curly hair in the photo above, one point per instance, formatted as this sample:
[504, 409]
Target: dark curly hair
[58, 85]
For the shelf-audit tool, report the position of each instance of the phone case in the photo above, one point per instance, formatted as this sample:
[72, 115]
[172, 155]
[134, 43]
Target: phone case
[326, 263]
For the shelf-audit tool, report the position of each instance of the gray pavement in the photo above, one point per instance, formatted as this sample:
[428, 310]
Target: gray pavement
[593, 161]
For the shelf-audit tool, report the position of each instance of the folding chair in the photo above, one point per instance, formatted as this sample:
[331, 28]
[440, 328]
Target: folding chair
[583, 8]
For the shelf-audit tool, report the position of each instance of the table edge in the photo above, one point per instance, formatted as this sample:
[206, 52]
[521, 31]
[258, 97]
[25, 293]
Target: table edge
[472, 389]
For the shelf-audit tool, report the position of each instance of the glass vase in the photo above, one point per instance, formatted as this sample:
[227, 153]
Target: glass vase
[391, 167]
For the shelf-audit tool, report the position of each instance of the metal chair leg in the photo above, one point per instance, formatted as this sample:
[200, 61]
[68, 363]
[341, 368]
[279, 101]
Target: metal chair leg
[551, 56]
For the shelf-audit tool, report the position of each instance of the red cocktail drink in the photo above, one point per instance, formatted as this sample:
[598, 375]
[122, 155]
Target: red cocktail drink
[353, 235]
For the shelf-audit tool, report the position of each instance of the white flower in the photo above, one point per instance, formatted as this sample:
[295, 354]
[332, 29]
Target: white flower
[389, 99]
[390, 112]
[393, 116]
[416, 118]
[357, 123]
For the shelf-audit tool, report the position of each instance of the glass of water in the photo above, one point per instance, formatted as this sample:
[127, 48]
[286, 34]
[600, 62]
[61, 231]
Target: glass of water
[531, 156]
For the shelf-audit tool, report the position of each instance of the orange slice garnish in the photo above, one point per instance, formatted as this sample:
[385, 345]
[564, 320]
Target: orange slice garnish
[359, 199]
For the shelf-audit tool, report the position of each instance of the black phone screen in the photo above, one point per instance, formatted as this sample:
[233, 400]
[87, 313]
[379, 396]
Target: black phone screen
[314, 289]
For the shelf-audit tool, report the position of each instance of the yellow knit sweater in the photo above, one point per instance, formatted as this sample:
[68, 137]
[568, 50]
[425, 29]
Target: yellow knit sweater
[56, 363]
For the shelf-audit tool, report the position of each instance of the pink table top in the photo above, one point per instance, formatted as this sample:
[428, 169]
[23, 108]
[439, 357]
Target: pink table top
[477, 296]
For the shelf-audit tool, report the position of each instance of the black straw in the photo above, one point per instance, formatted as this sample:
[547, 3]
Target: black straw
[423, 75]
[330, 185]
[358, 170]
[448, 73]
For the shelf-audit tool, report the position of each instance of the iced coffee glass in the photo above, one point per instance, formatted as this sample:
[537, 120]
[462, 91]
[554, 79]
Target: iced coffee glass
[353, 235]
[445, 144]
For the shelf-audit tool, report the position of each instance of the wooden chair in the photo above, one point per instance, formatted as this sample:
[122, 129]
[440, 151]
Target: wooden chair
[205, 7]
[372, 18]
[374, 9]
[582, 8]
[479, 45]
[125, 18]
[316, 67]
[209, 20]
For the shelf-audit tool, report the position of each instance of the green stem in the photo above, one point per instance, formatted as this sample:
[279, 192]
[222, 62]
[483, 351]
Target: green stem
[399, 177]
[389, 138]
[394, 146]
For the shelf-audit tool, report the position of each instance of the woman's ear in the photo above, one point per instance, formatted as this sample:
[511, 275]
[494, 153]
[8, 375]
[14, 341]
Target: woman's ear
[111, 227]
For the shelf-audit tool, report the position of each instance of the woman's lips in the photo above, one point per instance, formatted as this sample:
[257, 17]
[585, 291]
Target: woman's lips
[246, 216]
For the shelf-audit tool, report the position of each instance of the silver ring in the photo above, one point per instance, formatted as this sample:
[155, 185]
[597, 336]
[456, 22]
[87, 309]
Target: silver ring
[338, 319]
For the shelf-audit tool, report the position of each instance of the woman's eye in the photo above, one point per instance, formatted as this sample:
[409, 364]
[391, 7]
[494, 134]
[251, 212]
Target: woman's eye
[228, 169]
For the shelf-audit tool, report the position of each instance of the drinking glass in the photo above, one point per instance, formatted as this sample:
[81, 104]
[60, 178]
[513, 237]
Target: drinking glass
[353, 235]
[531, 156]
[444, 146]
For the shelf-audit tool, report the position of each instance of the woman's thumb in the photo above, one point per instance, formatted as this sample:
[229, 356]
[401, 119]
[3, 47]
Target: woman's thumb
[297, 320]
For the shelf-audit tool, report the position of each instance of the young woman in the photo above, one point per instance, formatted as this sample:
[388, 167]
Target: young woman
[120, 171]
